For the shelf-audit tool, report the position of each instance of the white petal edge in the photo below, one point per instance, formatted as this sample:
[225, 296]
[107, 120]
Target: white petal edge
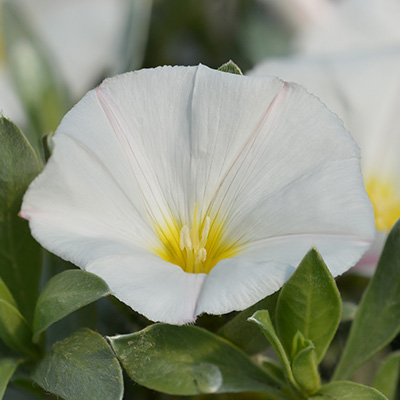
[160, 291]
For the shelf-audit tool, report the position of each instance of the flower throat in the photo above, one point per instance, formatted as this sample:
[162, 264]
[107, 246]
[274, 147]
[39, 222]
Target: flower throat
[195, 247]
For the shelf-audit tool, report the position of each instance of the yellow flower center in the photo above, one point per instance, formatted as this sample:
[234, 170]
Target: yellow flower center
[196, 248]
[385, 200]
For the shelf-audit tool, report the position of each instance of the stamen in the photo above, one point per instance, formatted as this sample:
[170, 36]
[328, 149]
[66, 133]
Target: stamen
[184, 240]
[201, 256]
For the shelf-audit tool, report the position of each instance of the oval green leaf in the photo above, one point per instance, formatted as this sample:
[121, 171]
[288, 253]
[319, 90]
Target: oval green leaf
[7, 369]
[65, 293]
[20, 254]
[81, 367]
[377, 320]
[186, 360]
[343, 390]
[309, 302]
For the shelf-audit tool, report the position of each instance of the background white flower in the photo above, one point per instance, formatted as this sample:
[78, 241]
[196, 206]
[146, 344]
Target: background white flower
[83, 40]
[189, 190]
[329, 26]
[351, 25]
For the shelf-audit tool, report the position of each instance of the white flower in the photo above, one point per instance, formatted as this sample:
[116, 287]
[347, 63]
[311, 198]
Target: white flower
[327, 27]
[193, 191]
[301, 14]
[82, 38]
[364, 90]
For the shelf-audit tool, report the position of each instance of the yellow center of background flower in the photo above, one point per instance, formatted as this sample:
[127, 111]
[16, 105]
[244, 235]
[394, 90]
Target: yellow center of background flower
[386, 202]
[197, 247]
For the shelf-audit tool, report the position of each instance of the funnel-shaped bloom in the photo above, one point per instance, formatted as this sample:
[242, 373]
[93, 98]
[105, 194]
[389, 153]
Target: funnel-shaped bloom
[192, 191]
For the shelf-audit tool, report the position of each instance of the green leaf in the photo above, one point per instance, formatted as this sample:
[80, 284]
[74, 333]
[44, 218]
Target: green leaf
[64, 294]
[309, 302]
[186, 360]
[343, 390]
[263, 320]
[6, 295]
[14, 330]
[20, 255]
[305, 370]
[7, 369]
[377, 319]
[387, 377]
[231, 68]
[248, 336]
[299, 343]
[81, 367]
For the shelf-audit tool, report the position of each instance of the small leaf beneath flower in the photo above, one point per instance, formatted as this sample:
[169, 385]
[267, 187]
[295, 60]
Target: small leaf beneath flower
[377, 319]
[299, 343]
[7, 369]
[387, 377]
[309, 302]
[20, 255]
[305, 370]
[343, 390]
[186, 360]
[14, 330]
[231, 68]
[248, 336]
[81, 367]
[263, 320]
[65, 293]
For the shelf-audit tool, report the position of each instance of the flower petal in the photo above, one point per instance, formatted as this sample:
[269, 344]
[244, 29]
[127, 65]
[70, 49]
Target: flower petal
[237, 283]
[156, 289]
